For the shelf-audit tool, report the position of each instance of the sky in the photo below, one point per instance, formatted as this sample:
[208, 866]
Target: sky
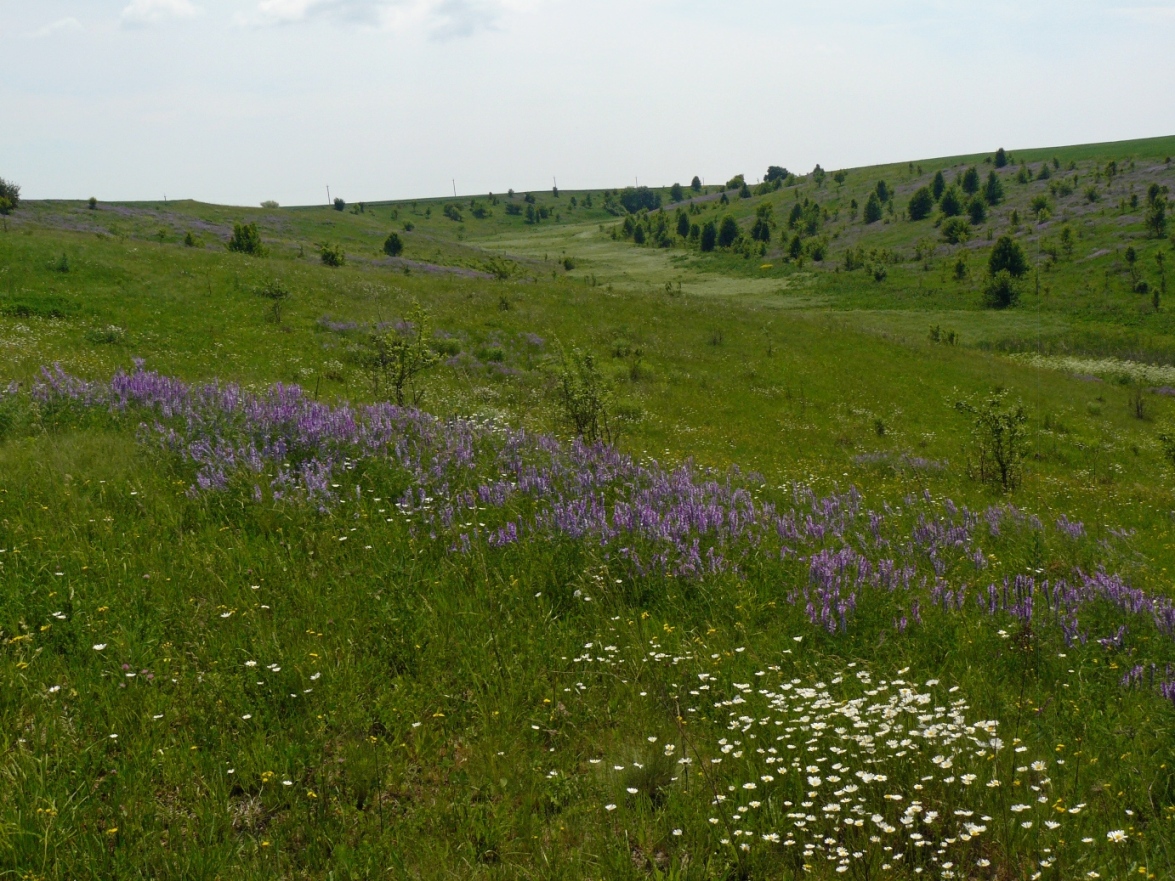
[239, 101]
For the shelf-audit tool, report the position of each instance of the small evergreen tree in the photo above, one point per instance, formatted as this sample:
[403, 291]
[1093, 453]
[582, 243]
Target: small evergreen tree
[676, 193]
[394, 245]
[682, 224]
[938, 185]
[709, 236]
[818, 175]
[1156, 217]
[977, 210]
[332, 255]
[1001, 158]
[340, 205]
[246, 239]
[1001, 291]
[921, 204]
[696, 184]
[993, 190]
[971, 181]
[1007, 256]
[883, 191]
[951, 203]
[728, 232]
[795, 248]
[873, 208]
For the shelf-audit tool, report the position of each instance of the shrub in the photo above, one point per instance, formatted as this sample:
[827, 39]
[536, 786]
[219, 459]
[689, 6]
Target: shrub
[246, 239]
[883, 191]
[339, 204]
[921, 204]
[10, 194]
[951, 202]
[999, 430]
[277, 296]
[584, 396]
[1156, 218]
[269, 203]
[394, 245]
[744, 192]
[1041, 207]
[956, 231]
[454, 213]
[1091, 194]
[189, 240]
[683, 224]
[93, 203]
[1007, 255]
[977, 210]
[696, 184]
[513, 209]
[332, 255]
[872, 209]
[1001, 158]
[971, 181]
[775, 173]
[1001, 291]
[795, 248]
[818, 175]
[993, 190]
[737, 182]
[676, 193]
[728, 232]
[397, 357]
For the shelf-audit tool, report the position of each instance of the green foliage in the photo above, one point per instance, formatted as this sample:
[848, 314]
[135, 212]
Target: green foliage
[1041, 207]
[269, 203]
[737, 182]
[339, 204]
[696, 184]
[921, 204]
[1156, 217]
[635, 199]
[189, 240]
[683, 224]
[246, 239]
[1007, 256]
[92, 204]
[332, 255]
[993, 190]
[872, 209]
[393, 245]
[971, 181]
[454, 214]
[728, 232]
[676, 193]
[1001, 291]
[883, 191]
[840, 177]
[818, 175]
[956, 231]
[1001, 158]
[776, 173]
[999, 431]
[951, 203]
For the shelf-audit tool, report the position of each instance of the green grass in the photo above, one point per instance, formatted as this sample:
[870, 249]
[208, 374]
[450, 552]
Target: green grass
[434, 714]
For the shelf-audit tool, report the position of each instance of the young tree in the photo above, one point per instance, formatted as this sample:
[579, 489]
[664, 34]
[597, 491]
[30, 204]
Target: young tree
[676, 193]
[682, 224]
[696, 184]
[400, 354]
[246, 239]
[938, 185]
[340, 205]
[883, 191]
[775, 173]
[1156, 217]
[277, 296]
[761, 231]
[840, 177]
[728, 232]
[10, 194]
[394, 245]
[1000, 430]
[1001, 291]
[1001, 158]
[795, 248]
[332, 255]
[921, 204]
[873, 208]
[977, 210]
[737, 182]
[951, 202]
[956, 231]
[971, 181]
[709, 236]
[993, 190]
[1007, 256]
[818, 175]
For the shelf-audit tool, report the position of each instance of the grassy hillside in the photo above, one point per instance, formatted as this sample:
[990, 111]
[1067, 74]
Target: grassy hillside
[778, 628]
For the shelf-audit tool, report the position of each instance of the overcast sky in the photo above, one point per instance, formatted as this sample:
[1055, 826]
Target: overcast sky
[236, 101]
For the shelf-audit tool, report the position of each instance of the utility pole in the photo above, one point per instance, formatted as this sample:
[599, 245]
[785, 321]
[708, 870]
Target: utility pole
[454, 188]
[328, 195]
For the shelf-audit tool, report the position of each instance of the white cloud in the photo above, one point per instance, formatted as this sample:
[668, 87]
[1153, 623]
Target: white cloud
[444, 19]
[65, 24]
[149, 11]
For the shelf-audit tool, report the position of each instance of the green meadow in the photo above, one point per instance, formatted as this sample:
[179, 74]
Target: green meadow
[855, 571]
